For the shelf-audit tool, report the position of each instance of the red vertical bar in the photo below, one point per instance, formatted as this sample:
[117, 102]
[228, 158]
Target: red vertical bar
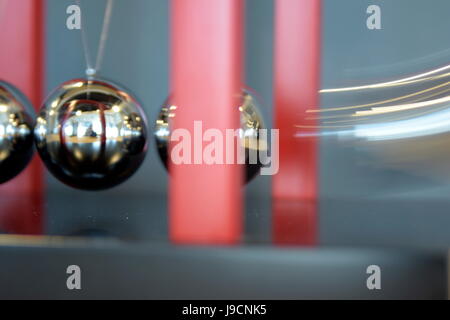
[21, 64]
[297, 59]
[205, 200]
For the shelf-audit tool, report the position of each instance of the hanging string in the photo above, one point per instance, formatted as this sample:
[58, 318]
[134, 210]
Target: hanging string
[3, 6]
[87, 56]
[92, 70]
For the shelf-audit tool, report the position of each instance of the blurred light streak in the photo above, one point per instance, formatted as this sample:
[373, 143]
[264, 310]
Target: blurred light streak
[432, 124]
[408, 80]
[395, 118]
[402, 107]
[378, 102]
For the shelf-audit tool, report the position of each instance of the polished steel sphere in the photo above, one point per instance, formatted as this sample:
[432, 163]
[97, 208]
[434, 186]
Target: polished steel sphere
[251, 122]
[16, 132]
[91, 134]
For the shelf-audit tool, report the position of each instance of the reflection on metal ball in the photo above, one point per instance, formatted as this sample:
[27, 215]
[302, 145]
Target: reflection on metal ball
[91, 134]
[16, 132]
[251, 122]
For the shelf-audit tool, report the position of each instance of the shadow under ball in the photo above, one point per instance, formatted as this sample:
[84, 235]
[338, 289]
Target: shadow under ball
[16, 132]
[91, 134]
[251, 122]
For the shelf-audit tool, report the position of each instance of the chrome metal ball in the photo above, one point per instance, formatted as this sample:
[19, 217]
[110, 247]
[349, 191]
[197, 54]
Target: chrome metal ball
[91, 134]
[16, 132]
[251, 122]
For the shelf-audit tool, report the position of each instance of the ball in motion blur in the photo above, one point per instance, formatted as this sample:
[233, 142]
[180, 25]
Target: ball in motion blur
[91, 134]
[16, 132]
[251, 122]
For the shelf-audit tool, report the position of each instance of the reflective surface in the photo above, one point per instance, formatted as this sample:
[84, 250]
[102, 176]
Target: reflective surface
[251, 122]
[91, 134]
[16, 127]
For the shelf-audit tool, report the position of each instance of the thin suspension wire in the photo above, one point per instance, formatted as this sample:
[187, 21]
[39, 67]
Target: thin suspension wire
[3, 5]
[104, 34]
[91, 70]
[87, 56]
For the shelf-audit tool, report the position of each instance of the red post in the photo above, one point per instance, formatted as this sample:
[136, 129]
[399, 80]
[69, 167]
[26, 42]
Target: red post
[22, 64]
[297, 61]
[205, 200]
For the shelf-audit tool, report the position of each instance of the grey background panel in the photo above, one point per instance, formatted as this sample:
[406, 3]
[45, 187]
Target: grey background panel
[363, 201]
[259, 77]
[413, 39]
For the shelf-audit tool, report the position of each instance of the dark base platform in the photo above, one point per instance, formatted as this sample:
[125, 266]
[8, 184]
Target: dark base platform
[36, 269]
